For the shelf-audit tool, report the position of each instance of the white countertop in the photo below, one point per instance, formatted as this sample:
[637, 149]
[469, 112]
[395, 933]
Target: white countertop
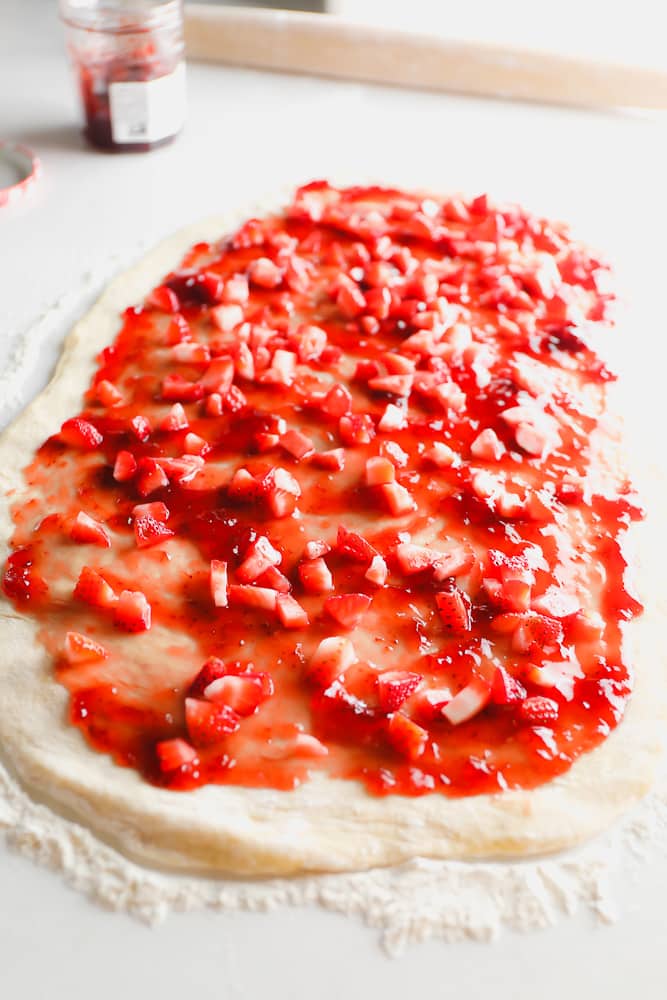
[249, 134]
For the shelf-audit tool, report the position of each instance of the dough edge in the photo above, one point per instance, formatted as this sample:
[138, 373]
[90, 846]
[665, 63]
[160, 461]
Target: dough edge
[325, 825]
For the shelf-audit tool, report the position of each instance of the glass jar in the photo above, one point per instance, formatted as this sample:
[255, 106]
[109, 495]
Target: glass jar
[128, 58]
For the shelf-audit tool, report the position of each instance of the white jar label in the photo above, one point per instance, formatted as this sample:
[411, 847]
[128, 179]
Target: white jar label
[147, 110]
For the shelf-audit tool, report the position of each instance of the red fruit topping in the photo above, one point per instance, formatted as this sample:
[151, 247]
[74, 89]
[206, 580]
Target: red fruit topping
[175, 387]
[151, 477]
[505, 688]
[219, 376]
[347, 609]
[290, 612]
[297, 444]
[354, 546]
[211, 671]
[333, 459]
[455, 609]
[227, 317]
[377, 571]
[132, 611]
[149, 524]
[125, 466]
[398, 499]
[316, 548]
[82, 649]
[539, 709]
[468, 702]
[164, 299]
[414, 558]
[175, 754]
[316, 576]
[356, 429]
[243, 693]
[395, 687]
[218, 580]
[94, 589]
[379, 470]
[85, 528]
[80, 434]
[331, 659]
[406, 737]
[208, 722]
[253, 597]
[259, 557]
[397, 385]
[264, 273]
[108, 394]
[176, 419]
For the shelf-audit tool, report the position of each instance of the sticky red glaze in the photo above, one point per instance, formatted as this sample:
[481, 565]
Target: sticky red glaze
[504, 302]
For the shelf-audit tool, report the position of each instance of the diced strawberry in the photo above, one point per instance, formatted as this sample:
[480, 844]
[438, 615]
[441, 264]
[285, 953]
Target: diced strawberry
[366, 370]
[350, 299]
[243, 693]
[468, 702]
[108, 394]
[180, 470]
[393, 419]
[354, 546]
[455, 609]
[234, 400]
[213, 668]
[347, 609]
[316, 576]
[334, 459]
[80, 648]
[193, 444]
[398, 364]
[283, 491]
[316, 548]
[297, 444]
[282, 369]
[178, 330]
[264, 273]
[398, 499]
[559, 675]
[488, 446]
[356, 428]
[307, 745]
[176, 419]
[505, 688]
[395, 454]
[227, 317]
[85, 528]
[125, 466]
[377, 571]
[536, 632]
[157, 510]
[337, 401]
[557, 602]
[191, 353]
[132, 611]
[414, 558]
[219, 376]
[539, 709]
[397, 385]
[149, 524]
[218, 583]
[151, 477]
[395, 687]
[174, 754]
[236, 289]
[259, 556]
[244, 486]
[80, 434]
[213, 405]
[208, 723]
[450, 396]
[458, 561]
[407, 738]
[274, 580]
[253, 597]
[379, 470]
[290, 612]
[441, 455]
[93, 589]
[331, 658]
[164, 299]
[140, 427]
[175, 387]
[428, 703]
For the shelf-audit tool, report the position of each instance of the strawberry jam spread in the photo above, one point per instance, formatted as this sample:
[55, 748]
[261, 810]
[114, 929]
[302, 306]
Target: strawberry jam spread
[341, 498]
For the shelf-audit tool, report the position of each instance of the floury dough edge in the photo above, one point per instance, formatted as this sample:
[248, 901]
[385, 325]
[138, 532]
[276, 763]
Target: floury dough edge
[472, 898]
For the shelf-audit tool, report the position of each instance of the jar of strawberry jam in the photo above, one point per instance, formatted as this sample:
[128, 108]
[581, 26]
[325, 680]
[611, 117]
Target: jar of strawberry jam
[128, 58]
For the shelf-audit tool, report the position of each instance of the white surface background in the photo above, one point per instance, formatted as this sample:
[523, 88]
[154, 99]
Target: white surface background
[247, 134]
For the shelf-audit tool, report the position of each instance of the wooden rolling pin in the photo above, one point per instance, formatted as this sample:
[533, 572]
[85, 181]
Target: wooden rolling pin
[323, 45]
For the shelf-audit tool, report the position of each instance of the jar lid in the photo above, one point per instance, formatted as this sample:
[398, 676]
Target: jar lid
[19, 169]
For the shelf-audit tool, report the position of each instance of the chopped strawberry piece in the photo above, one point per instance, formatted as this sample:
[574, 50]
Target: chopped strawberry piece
[337, 401]
[175, 387]
[468, 702]
[347, 609]
[164, 299]
[132, 611]
[557, 603]
[93, 589]
[274, 580]
[176, 419]
[290, 612]
[218, 583]
[397, 385]
[393, 419]
[181, 470]
[260, 555]
[236, 289]
[243, 693]
[213, 668]
[455, 609]
[539, 709]
[506, 689]
[379, 470]
[108, 394]
[125, 466]
[141, 428]
[316, 548]
[282, 369]
[227, 317]
[356, 428]
[208, 722]
[398, 499]
[316, 576]
[350, 299]
[333, 459]
[354, 546]
[297, 444]
[456, 562]
[377, 571]
[193, 444]
[150, 524]
[406, 737]
[440, 454]
[395, 687]
[151, 477]
[414, 558]
[219, 376]
[80, 434]
[85, 528]
[175, 754]
[253, 597]
[428, 703]
[80, 648]
[487, 445]
[283, 491]
[264, 273]
[190, 353]
[332, 658]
